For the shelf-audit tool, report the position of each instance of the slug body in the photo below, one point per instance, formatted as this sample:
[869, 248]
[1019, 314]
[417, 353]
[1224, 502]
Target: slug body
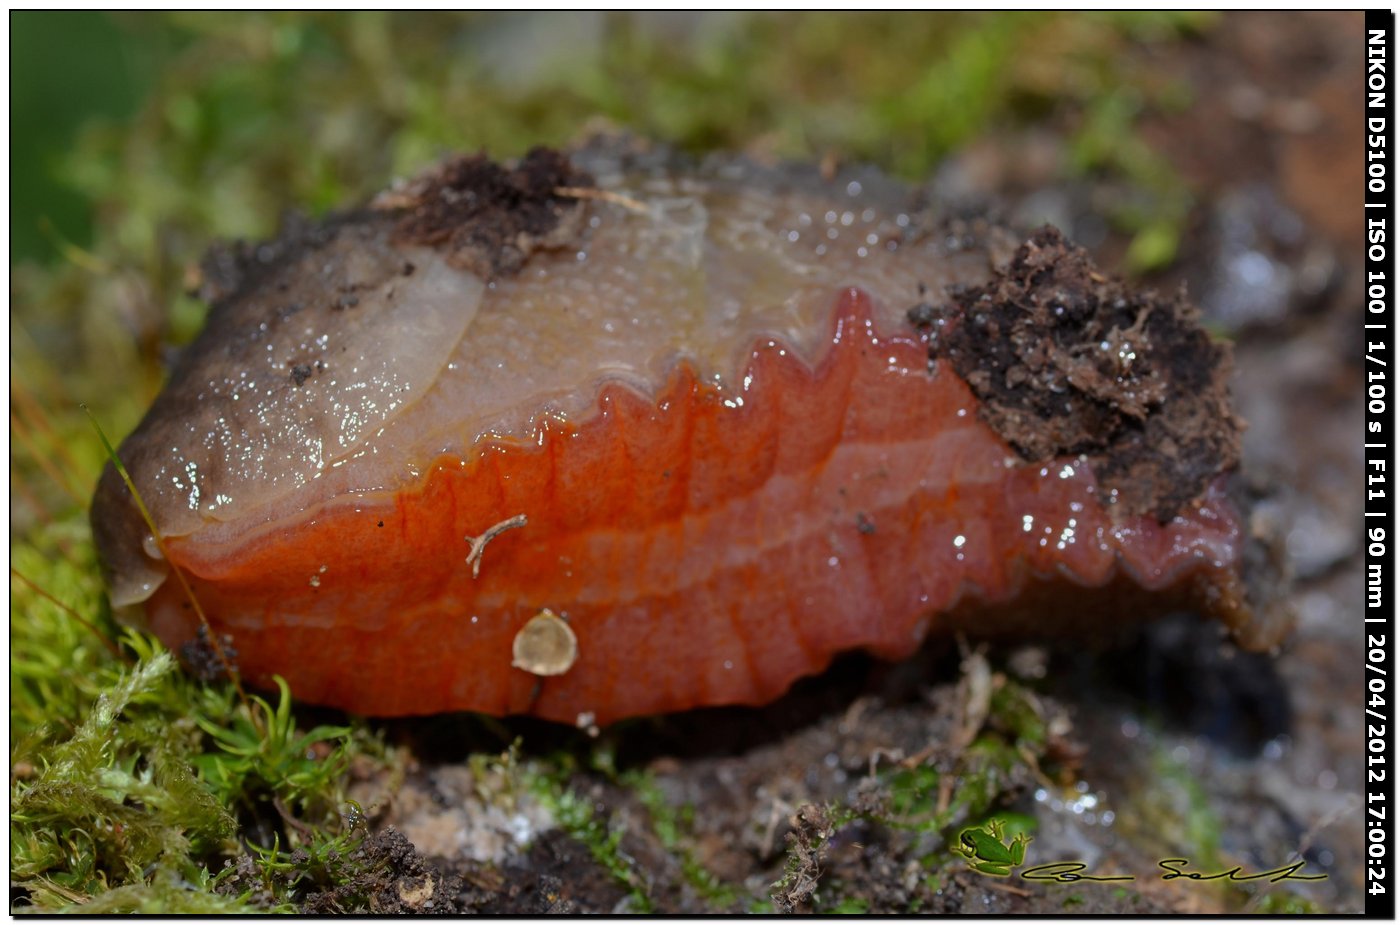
[732, 452]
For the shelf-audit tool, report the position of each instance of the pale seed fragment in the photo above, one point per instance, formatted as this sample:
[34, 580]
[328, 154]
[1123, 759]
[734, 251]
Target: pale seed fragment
[545, 646]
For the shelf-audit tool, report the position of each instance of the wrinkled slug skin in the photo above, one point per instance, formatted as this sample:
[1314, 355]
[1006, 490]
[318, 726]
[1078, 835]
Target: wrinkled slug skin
[732, 451]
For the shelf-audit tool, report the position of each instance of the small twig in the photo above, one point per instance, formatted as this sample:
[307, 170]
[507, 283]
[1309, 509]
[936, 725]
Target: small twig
[994, 885]
[778, 810]
[945, 794]
[111, 646]
[974, 696]
[1305, 842]
[919, 757]
[588, 192]
[895, 755]
[478, 543]
[1029, 758]
[297, 825]
[851, 720]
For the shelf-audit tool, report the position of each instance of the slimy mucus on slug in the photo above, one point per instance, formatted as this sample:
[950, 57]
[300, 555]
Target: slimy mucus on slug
[698, 406]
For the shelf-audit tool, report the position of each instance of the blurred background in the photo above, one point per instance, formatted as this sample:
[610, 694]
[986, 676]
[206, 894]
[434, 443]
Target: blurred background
[314, 109]
[1222, 152]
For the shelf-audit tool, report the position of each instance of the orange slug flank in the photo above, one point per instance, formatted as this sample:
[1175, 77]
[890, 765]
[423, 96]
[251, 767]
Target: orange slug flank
[708, 546]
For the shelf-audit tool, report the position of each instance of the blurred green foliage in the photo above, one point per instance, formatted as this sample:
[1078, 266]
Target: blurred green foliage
[66, 68]
[248, 114]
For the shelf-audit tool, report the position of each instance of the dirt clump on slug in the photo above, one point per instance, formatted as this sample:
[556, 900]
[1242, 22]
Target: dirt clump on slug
[1067, 360]
[489, 218]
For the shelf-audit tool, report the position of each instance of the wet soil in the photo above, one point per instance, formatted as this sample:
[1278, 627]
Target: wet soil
[1170, 744]
[1068, 360]
[487, 217]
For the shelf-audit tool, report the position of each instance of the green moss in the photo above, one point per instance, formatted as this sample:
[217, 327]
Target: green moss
[575, 814]
[273, 759]
[673, 827]
[913, 796]
[164, 895]
[1156, 203]
[324, 862]
[112, 800]
[1281, 902]
[58, 665]
[1179, 809]
[130, 780]
[550, 782]
[1169, 814]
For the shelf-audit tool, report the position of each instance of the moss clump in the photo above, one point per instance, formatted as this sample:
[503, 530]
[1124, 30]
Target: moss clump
[111, 801]
[130, 781]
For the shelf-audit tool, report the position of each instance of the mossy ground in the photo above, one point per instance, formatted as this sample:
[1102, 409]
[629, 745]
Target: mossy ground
[136, 788]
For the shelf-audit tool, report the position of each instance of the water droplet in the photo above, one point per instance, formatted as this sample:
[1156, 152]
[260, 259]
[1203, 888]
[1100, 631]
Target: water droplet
[151, 547]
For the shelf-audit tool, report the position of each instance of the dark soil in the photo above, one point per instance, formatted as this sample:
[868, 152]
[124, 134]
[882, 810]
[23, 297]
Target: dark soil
[1068, 360]
[488, 217]
[393, 879]
[383, 874]
[207, 661]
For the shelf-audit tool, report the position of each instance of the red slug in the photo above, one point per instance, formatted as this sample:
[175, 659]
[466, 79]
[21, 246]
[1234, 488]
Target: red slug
[596, 436]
